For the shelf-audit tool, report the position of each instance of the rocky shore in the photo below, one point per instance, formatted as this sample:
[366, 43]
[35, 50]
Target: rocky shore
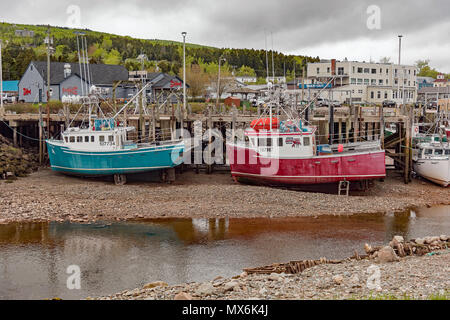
[15, 162]
[385, 273]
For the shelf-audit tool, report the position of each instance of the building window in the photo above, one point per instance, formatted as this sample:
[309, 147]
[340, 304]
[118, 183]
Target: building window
[79, 139]
[360, 70]
[318, 70]
[371, 95]
[341, 71]
[380, 82]
[396, 82]
[353, 69]
[360, 81]
[328, 69]
[378, 95]
[374, 71]
[387, 71]
[360, 91]
[385, 95]
[373, 82]
[101, 138]
[353, 81]
[414, 72]
[86, 138]
[366, 70]
[306, 141]
[387, 82]
[366, 81]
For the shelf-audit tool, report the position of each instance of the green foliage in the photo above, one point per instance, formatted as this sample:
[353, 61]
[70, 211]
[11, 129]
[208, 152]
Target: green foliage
[246, 71]
[114, 49]
[425, 70]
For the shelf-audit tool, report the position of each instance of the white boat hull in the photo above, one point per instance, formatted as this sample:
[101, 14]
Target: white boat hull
[435, 170]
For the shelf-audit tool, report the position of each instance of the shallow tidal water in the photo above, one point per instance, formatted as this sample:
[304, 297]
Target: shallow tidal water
[34, 257]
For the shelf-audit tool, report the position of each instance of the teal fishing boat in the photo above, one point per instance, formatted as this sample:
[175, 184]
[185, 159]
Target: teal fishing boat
[102, 148]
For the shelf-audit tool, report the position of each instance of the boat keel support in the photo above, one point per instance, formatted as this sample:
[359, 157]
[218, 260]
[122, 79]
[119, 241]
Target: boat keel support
[120, 179]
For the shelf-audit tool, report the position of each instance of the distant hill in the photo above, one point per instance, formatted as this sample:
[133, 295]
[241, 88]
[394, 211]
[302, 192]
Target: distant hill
[164, 55]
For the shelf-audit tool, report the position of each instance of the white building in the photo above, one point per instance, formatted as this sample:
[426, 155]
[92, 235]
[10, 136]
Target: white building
[362, 81]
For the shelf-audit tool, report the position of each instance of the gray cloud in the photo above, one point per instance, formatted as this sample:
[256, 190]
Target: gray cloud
[296, 24]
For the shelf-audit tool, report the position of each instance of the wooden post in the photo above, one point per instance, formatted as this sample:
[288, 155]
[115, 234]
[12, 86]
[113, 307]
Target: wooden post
[407, 149]
[41, 151]
[382, 126]
[355, 123]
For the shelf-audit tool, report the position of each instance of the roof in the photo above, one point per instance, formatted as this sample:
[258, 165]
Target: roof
[424, 90]
[12, 85]
[243, 90]
[100, 73]
[161, 80]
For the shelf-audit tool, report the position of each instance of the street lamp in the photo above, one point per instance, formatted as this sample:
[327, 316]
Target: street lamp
[218, 81]
[184, 69]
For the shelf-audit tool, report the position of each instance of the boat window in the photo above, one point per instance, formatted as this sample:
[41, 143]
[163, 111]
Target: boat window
[447, 152]
[280, 142]
[420, 153]
[269, 142]
[79, 139]
[101, 138]
[72, 139]
[92, 138]
[110, 138]
[253, 141]
[438, 152]
[65, 138]
[86, 138]
[262, 142]
[428, 152]
[306, 141]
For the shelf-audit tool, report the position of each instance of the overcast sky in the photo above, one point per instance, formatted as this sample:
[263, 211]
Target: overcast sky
[328, 29]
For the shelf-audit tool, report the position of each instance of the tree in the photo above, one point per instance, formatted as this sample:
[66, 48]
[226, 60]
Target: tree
[197, 80]
[385, 60]
[425, 70]
[245, 71]
[113, 57]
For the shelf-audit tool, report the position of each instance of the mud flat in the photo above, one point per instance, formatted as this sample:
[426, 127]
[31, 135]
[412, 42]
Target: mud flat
[49, 196]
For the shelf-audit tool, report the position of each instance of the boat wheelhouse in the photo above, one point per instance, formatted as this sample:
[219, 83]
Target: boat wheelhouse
[432, 161]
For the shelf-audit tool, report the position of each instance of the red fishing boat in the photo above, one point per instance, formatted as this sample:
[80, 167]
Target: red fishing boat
[286, 153]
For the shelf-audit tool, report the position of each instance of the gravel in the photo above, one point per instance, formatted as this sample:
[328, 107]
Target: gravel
[48, 196]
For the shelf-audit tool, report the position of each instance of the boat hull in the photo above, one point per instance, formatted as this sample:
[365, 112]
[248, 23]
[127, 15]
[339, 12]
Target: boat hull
[305, 171]
[90, 163]
[435, 170]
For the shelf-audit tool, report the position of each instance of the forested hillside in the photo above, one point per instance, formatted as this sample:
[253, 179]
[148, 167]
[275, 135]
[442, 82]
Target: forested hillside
[165, 56]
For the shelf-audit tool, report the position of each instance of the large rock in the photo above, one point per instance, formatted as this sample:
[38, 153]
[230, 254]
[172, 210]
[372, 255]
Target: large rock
[443, 237]
[338, 279]
[387, 254]
[155, 284]
[205, 289]
[182, 296]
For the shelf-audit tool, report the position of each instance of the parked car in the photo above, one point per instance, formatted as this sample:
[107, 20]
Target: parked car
[321, 102]
[6, 98]
[389, 104]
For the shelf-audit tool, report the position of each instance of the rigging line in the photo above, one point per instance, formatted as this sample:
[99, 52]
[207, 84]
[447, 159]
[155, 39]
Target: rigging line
[23, 135]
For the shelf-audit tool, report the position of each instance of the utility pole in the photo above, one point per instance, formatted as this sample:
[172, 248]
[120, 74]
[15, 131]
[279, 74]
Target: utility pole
[218, 83]
[399, 61]
[184, 81]
[48, 82]
[267, 58]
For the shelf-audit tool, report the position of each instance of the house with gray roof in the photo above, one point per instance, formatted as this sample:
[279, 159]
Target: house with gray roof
[66, 80]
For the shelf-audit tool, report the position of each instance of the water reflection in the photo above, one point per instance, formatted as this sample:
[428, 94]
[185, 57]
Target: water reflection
[113, 257]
